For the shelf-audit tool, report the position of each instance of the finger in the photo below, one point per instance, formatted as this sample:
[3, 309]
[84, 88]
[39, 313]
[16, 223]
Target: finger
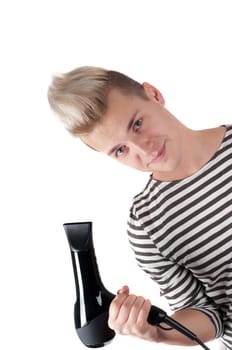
[120, 311]
[125, 309]
[124, 289]
[116, 304]
[136, 309]
[143, 314]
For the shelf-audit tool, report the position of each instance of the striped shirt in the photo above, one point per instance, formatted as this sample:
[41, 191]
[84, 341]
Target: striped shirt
[181, 234]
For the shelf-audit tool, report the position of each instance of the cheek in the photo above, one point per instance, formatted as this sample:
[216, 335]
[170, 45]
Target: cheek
[129, 161]
[134, 162]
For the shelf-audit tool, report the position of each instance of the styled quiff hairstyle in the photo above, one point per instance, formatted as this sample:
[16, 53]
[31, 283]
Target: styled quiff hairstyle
[79, 97]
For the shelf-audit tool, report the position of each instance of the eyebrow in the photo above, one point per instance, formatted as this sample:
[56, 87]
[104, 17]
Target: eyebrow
[131, 122]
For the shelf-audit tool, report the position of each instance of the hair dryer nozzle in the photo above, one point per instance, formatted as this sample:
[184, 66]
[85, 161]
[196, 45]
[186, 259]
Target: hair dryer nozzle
[79, 235]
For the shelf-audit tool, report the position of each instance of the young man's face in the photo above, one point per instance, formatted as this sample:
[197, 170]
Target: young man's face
[136, 132]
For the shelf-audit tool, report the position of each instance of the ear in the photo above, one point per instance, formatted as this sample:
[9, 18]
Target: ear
[153, 93]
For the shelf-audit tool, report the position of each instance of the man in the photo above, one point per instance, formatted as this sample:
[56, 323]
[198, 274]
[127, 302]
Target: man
[180, 225]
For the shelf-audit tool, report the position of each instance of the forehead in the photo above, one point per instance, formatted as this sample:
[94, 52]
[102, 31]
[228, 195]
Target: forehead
[111, 129]
[119, 105]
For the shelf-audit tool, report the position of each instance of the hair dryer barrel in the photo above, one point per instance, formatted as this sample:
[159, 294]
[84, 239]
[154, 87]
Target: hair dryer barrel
[92, 298]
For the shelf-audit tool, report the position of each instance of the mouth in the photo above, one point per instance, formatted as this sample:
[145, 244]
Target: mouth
[159, 155]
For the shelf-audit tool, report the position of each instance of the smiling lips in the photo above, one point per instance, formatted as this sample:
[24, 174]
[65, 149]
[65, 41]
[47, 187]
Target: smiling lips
[159, 155]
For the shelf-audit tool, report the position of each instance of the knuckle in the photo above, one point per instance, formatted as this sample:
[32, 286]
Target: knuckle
[140, 300]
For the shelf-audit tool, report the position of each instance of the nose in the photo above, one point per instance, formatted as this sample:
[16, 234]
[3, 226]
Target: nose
[142, 146]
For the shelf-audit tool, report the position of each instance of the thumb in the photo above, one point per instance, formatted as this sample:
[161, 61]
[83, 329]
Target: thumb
[124, 289]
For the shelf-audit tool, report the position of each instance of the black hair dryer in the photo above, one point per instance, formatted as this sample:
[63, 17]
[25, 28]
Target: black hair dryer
[93, 299]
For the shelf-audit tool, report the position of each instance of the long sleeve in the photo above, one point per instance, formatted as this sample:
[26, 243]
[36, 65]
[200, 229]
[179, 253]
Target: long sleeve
[181, 289]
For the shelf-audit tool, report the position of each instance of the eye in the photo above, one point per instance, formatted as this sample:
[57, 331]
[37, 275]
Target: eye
[120, 151]
[137, 124]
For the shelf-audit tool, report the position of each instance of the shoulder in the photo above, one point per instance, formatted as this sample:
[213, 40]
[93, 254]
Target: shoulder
[228, 133]
[143, 196]
[226, 145]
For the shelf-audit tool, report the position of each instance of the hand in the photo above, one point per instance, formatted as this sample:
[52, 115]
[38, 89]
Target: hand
[128, 315]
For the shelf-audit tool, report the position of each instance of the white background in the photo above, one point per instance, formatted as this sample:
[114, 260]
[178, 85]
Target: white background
[49, 178]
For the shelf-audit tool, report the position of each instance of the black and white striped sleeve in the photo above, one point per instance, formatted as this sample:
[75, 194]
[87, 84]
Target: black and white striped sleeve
[181, 289]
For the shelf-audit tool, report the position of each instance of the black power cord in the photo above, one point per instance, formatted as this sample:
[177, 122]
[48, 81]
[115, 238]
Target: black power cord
[156, 316]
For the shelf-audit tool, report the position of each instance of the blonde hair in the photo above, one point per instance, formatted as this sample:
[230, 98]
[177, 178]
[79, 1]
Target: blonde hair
[79, 97]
